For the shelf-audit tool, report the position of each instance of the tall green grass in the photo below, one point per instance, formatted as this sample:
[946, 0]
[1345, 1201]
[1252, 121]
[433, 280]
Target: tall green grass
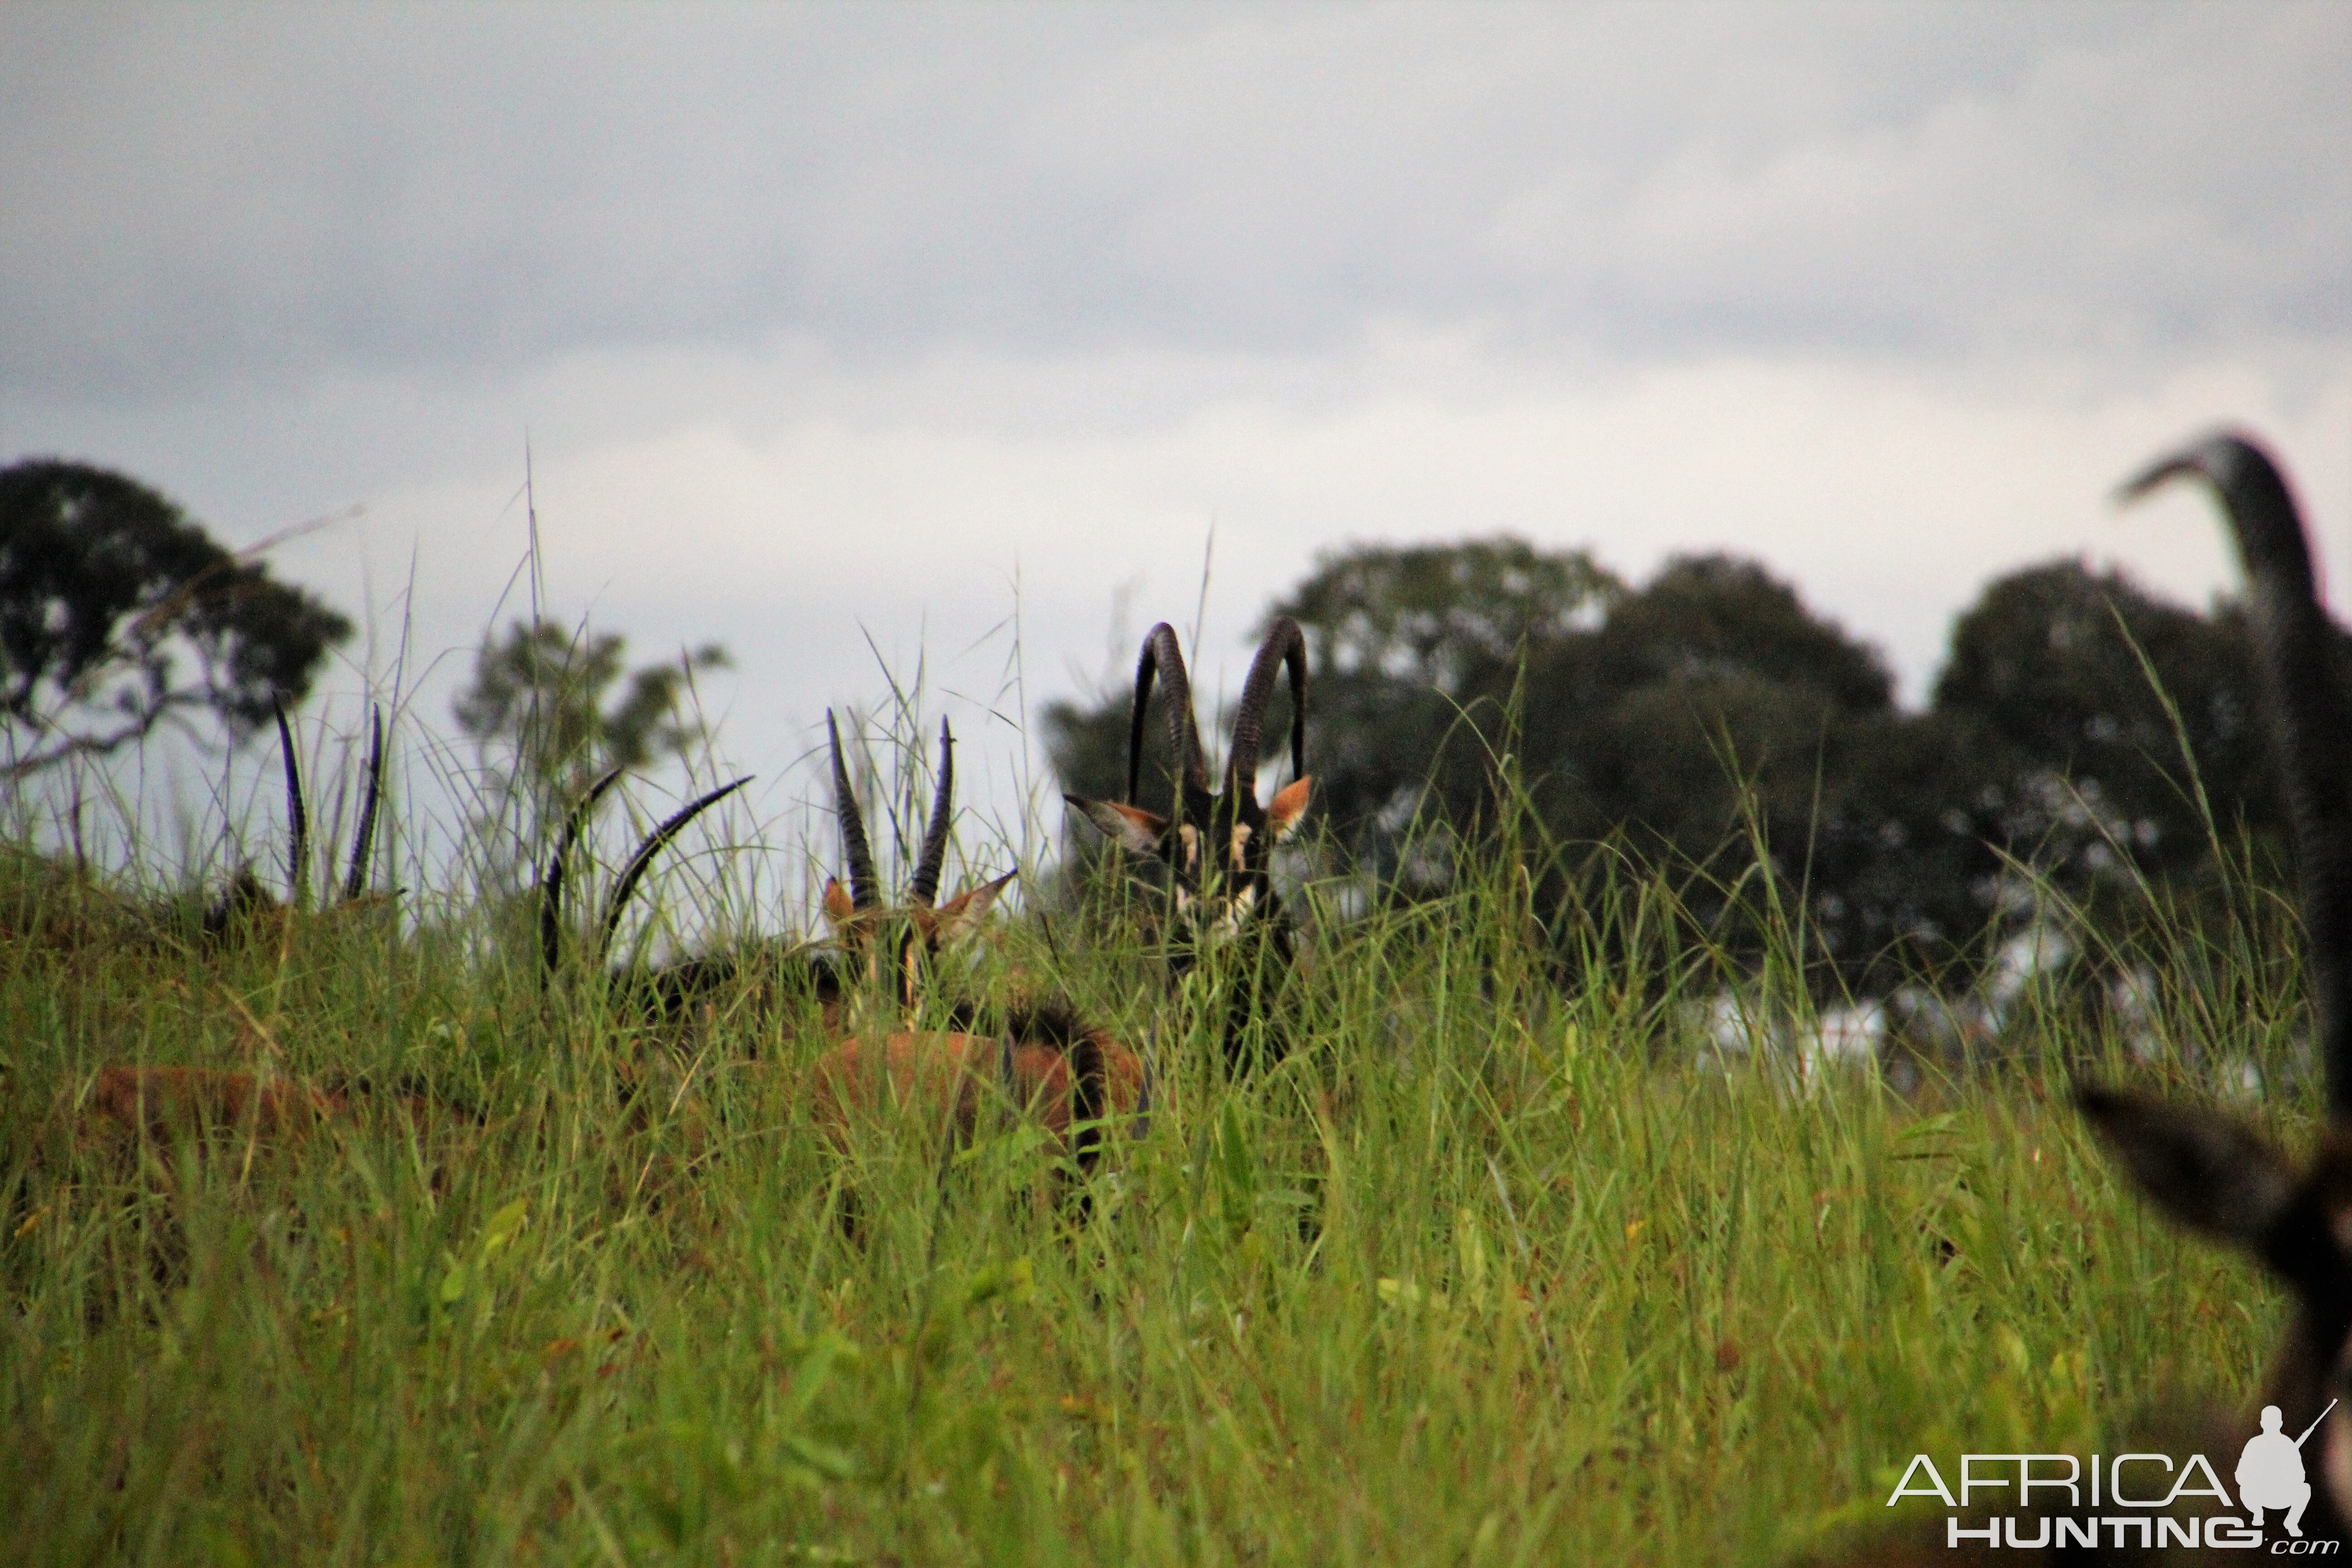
[1498, 1265]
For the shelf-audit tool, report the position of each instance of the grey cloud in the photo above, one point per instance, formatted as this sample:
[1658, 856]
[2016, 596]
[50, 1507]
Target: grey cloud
[201, 197]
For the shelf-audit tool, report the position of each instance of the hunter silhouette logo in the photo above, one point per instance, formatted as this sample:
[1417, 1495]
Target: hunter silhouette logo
[2270, 1472]
[2134, 1500]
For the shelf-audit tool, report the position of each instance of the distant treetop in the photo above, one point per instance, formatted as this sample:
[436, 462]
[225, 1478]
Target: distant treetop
[118, 613]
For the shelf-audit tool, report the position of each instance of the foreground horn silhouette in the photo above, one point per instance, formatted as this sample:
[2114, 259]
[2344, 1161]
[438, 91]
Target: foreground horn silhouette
[2208, 1172]
[2205, 1170]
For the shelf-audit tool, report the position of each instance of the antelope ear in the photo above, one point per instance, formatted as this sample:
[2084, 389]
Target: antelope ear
[1289, 806]
[840, 909]
[2203, 1169]
[1129, 826]
[961, 916]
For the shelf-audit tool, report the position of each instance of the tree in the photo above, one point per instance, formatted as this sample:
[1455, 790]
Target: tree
[536, 710]
[1710, 714]
[2049, 661]
[117, 612]
[1416, 651]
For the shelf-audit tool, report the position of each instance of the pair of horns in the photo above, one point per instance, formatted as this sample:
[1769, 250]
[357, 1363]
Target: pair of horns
[864, 887]
[1162, 658]
[2310, 717]
[551, 902]
[363, 842]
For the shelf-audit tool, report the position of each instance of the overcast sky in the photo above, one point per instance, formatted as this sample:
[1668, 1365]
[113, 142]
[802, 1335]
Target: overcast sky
[855, 336]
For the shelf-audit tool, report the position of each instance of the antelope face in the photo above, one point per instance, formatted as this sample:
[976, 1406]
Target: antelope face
[911, 935]
[1218, 845]
[1220, 864]
[907, 936]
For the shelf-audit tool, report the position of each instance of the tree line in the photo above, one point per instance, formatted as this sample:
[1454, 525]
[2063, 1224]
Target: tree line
[2083, 737]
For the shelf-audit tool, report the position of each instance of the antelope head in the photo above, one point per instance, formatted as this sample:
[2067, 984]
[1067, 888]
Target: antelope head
[245, 900]
[923, 926]
[2206, 1170]
[1218, 846]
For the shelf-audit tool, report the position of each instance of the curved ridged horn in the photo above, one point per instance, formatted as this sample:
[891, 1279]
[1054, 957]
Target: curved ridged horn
[2310, 717]
[864, 893]
[1163, 656]
[297, 859]
[550, 887]
[1284, 644]
[363, 842]
[651, 847]
[934, 859]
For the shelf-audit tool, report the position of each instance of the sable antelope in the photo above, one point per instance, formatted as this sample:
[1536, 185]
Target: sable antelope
[1047, 1060]
[2207, 1170]
[156, 1104]
[1218, 846]
[926, 927]
[855, 914]
[246, 907]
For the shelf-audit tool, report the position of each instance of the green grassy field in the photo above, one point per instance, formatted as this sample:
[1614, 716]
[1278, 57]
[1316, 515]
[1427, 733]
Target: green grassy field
[1489, 1270]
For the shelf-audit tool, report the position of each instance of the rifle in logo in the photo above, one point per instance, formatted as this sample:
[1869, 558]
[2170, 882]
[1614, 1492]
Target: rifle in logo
[2270, 1471]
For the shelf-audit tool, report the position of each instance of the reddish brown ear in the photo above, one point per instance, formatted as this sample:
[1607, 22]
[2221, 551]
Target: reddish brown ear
[1129, 826]
[1289, 806]
[961, 916]
[839, 907]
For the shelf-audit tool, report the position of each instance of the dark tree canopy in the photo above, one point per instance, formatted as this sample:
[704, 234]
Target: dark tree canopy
[1442, 616]
[2055, 664]
[1709, 713]
[118, 613]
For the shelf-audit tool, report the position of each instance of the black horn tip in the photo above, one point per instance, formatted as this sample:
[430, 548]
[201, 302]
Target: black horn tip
[863, 892]
[297, 812]
[652, 846]
[363, 840]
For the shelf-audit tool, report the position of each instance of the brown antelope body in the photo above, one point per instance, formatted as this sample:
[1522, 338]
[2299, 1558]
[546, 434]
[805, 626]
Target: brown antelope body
[161, 1105]
[130, 1109]
[1046, 1062]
